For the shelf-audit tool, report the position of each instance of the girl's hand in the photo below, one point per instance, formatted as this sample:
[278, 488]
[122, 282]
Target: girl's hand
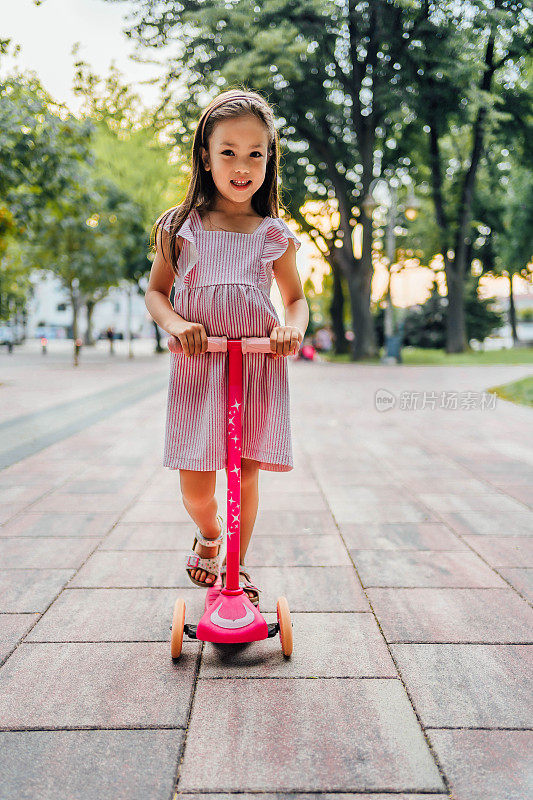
[285, 340]
[191, 336]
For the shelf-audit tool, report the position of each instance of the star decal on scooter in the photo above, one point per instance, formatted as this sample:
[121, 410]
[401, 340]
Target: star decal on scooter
[236, 470]
[236, 405]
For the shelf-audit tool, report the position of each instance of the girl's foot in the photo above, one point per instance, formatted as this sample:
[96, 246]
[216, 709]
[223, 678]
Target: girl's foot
[246, 584]
[206, 551]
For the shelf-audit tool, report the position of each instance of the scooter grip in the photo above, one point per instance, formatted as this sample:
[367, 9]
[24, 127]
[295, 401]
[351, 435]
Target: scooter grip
[215, 344]
[256, 345]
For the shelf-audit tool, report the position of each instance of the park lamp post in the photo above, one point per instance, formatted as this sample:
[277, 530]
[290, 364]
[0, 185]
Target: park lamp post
[410, 210]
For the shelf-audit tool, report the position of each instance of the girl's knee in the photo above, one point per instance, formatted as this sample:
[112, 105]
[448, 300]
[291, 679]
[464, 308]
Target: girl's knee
[198, 488]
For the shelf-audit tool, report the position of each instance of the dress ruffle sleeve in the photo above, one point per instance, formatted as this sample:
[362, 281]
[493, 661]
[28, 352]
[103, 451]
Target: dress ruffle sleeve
[189, 252]
[276, 241]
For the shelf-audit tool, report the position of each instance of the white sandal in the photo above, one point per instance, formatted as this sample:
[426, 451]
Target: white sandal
[247, 584]
[209, 565]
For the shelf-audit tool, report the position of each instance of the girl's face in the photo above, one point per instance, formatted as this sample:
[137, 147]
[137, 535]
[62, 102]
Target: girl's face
[237, 152]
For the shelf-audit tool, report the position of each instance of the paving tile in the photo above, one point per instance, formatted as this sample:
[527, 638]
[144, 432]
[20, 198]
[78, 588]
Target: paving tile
[119, 615]
[455, 486]
[503, 551]
[521, 492]
[401, 536]
[145, 536]
[65, 503]
[130, 569]
[295, 501]
[52, 524]
[468, 685]
[514, 523]
[325, 646]
[26, 591]
[281, 523]
[49, 553]
[486, 765]
[161, 511]
[294, 550]
[104, 685]
[423, 568]
[497, 502]
[307, 796]
[310, 588]
[372, 741]
[346, 512]
[9, 510]
[520, 579]
[98, 485]
[12, 493]
[452, 615]
[89, 765]
[12, 629]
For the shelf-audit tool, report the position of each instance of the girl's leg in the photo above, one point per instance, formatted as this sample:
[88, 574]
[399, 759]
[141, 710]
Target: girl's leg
[198, 495]
[249, 501]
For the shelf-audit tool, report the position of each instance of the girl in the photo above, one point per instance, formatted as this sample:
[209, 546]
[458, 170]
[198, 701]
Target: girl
[222, 246]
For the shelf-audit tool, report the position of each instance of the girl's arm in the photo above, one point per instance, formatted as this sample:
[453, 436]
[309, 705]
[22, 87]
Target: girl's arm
[157, 294]
[290, 287]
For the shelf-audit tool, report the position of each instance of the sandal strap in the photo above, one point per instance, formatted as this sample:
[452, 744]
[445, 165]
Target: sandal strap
[205, 541]
[243, 584]
[193, 560]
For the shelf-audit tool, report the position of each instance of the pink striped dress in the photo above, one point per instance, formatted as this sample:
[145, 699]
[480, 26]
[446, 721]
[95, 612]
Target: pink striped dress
[224, 282]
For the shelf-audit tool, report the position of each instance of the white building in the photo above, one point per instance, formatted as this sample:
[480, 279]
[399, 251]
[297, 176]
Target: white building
[49, 312]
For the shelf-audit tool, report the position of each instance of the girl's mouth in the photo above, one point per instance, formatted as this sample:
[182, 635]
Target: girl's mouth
[240, 186]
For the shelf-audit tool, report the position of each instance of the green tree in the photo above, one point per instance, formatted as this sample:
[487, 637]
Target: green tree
[332, 73]
[467, 82]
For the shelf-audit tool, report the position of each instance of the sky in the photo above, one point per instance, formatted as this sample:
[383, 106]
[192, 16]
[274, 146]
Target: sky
[47, 33]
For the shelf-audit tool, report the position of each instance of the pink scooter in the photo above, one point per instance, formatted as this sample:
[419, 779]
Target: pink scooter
[229, 615]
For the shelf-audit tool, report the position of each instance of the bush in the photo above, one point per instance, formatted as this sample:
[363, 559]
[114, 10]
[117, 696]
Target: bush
[425, 325]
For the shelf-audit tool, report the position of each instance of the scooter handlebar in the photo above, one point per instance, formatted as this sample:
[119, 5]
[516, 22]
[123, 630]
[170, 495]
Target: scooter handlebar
[219, 344]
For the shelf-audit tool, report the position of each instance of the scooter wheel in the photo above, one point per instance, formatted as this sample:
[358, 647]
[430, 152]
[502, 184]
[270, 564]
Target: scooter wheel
[178, 622]
[285, 626]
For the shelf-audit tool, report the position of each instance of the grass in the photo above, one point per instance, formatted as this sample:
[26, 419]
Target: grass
[417, 356]
[518, 391]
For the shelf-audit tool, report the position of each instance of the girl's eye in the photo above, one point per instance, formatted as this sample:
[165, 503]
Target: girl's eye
[231, 151]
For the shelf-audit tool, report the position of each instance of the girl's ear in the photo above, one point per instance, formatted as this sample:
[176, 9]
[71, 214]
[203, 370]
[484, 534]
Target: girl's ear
[205, 158]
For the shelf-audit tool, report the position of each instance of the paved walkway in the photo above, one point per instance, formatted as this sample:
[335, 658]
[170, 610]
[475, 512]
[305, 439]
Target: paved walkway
[402, 540]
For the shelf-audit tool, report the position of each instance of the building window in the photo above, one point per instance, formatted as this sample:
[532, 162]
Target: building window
[61, 306]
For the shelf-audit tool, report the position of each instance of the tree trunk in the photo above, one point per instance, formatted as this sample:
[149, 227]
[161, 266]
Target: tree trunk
[74, 303]
[158, 348]
[364, 342]
[512, 312]
[336, 310]
[88, 338]
[456, 340]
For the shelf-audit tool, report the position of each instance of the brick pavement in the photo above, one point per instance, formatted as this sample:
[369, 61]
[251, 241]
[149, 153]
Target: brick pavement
[402, 540]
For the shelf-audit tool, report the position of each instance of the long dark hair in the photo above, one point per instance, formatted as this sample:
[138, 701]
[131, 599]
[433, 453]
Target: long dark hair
[202, 190]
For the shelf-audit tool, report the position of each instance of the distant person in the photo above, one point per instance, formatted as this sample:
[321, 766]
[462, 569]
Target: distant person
[323, 339]
[307, 352]
[111, 336]
[9, 340]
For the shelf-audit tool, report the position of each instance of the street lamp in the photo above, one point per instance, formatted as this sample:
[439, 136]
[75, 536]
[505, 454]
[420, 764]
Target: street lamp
[369, 204]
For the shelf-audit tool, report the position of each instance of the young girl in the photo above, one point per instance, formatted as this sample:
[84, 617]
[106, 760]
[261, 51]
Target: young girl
[222, 246]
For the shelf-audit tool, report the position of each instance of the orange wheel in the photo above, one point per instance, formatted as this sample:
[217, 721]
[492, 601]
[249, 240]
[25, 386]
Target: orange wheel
[285, 626]
[178, 622]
